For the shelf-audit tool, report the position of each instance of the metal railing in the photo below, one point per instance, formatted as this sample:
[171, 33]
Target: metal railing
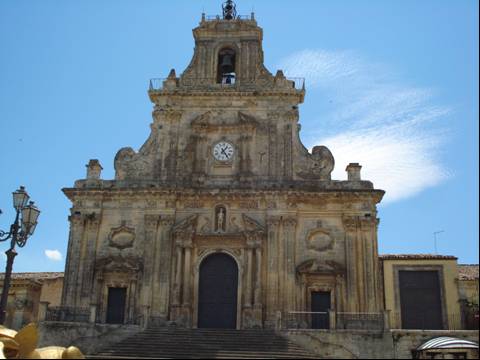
[66, 313]
[428, 321]
[157, 84]
[220, 17]
[334, 320]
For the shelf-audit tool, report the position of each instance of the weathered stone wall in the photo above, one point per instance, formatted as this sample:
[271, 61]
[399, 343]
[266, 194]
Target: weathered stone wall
[89, 338]
[344, 344]
[52, 291]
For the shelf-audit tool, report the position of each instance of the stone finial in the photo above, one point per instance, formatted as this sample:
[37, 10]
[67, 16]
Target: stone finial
[172, 74]
[94, 169]
[279, 74]
[353, 170]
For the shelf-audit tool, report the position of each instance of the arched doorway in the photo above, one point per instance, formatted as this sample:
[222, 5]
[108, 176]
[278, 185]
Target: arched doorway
[217, 292]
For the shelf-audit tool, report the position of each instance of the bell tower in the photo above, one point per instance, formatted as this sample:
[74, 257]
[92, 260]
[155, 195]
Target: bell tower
[228, 50]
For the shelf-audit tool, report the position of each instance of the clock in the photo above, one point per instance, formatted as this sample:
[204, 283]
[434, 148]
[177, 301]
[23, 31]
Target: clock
[223, 151]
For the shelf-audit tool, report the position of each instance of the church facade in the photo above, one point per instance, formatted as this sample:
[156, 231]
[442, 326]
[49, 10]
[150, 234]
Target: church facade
[223, 219]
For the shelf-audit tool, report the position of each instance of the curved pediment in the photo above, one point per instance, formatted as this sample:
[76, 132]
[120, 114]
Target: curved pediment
[315, 266]
[127, 264]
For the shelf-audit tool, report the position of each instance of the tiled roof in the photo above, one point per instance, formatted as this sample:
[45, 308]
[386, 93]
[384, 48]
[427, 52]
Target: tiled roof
[467, 271]
[35, 276]
[416, 257]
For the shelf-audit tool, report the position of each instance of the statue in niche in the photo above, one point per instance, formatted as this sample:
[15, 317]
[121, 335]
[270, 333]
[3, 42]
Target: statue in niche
[220, 214]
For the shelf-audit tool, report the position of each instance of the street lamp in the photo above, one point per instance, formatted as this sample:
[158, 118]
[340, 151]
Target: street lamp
[21, 229]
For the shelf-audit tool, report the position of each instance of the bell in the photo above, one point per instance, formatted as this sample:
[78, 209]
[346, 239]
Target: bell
[227, 65]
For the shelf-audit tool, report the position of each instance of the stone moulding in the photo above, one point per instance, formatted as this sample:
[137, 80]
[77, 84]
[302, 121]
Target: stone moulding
[227, 194]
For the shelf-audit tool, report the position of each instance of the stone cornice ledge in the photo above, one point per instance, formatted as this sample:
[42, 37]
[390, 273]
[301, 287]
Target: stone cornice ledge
[333, 194]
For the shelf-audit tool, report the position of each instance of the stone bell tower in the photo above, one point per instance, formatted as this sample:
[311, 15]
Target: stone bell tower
[223, 218]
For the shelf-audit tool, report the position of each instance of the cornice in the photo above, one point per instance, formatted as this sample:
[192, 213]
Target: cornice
[186, 193]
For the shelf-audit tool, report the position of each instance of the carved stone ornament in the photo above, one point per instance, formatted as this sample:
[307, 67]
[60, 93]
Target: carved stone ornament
[204, 225]
[121, 237]
[131, 165]
[185, 229]
[319, 239]
[128, 264]
[319, 164]
[253, 231]
[252, 224]
[320, 267]
[210, 121]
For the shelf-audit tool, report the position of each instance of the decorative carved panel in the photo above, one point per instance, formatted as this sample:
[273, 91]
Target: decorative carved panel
[121, 237]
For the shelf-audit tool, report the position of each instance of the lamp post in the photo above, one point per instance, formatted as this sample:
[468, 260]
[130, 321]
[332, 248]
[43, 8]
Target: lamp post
[21, 229]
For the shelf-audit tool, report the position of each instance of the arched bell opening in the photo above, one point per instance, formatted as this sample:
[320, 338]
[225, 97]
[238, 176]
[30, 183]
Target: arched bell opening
[226, 66]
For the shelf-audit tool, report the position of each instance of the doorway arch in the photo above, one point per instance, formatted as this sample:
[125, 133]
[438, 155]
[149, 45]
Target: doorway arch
[218, 292]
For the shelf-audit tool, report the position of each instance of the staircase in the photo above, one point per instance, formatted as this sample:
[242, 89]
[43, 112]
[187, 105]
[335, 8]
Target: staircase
[170, 343]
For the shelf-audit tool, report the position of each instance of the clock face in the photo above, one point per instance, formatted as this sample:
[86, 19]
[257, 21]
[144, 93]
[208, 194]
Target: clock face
[223, 151]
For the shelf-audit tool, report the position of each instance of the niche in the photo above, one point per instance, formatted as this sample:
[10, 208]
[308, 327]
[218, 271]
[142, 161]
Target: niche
[220, 218]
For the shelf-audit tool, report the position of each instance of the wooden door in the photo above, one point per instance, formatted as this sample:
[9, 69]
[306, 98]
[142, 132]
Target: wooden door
[320, 303]
[116, 305]
[218, 283]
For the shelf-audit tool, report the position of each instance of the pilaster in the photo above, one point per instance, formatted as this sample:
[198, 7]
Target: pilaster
[150, 246]
[289, 226]
[272, 295]
[72, 271]
[92, 227]
[163, 264]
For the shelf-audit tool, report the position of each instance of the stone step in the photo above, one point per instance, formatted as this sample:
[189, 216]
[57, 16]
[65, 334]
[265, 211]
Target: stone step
[204, 343]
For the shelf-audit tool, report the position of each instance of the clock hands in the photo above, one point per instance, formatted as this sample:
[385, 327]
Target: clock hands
[224, 153]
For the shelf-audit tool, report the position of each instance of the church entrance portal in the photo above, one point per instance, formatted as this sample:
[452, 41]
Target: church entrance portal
[218, 284]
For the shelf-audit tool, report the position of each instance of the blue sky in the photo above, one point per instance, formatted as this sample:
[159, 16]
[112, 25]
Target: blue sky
[390, 84]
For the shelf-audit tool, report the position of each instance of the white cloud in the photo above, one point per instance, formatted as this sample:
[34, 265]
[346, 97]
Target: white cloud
[375, 119]
[54, 255]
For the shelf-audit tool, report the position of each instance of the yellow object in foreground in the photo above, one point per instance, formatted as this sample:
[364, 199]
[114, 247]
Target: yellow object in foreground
[23, 345]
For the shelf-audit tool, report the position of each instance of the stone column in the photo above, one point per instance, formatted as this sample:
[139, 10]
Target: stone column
[178, 275]
[187, 286]
[290, 225]
[163, 265]
[272, 301]
[149, 248]
[73, 259]
[93, 314]
[258, 277]
[340, 296]
[371, 263]
[132, 304]
[350, 225]
[187, 276]
[93, 224]
[99, 298]
[248, 282]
